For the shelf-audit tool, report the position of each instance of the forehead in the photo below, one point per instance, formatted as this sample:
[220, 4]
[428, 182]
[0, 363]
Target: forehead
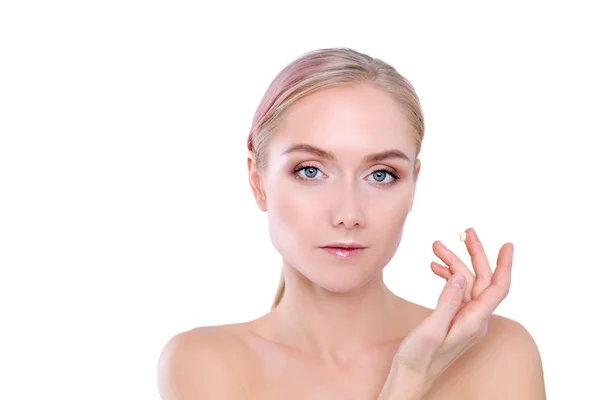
[359, 115]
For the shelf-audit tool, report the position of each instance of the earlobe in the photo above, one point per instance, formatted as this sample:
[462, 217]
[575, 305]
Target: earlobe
[255, 182]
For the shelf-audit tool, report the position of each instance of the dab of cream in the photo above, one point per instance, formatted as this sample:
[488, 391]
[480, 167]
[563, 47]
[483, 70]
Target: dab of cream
[463, 236]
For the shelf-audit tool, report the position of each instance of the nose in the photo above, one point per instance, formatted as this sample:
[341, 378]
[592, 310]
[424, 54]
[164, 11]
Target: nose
[348, 210]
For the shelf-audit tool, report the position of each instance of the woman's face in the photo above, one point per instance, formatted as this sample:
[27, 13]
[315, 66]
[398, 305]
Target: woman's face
[341, 169]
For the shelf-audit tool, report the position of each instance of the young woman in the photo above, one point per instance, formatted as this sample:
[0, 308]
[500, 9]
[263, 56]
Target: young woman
[333, 161]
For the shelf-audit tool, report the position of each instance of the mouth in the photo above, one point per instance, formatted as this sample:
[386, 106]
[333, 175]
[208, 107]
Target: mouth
[343, 250]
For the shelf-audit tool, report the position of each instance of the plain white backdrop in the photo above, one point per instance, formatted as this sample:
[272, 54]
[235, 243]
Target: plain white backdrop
[125, 210]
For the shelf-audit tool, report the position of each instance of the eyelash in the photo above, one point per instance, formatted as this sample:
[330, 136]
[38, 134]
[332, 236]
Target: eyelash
[384, 169]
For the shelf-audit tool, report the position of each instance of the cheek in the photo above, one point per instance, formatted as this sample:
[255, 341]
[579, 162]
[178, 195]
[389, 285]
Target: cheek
[292, 212]
[387, 218]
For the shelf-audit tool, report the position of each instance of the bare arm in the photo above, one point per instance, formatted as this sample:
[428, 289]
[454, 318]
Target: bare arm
[195, 365]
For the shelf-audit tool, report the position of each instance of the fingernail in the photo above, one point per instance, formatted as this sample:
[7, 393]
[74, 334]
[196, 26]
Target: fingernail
[458, 281]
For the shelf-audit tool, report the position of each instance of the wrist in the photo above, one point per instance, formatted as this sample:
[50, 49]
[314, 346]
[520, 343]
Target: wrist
[404, 385]
[407, 393]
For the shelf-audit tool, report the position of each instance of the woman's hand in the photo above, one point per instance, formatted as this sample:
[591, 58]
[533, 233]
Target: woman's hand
[457, 323]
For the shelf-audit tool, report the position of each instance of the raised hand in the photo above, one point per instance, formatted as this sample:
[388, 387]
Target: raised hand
[457, 323]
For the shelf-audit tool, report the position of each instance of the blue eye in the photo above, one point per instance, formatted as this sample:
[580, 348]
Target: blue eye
[380, 176]
[309, 172]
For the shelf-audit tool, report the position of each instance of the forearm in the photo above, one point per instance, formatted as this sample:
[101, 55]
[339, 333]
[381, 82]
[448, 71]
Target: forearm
[403, 386]
[401, 393]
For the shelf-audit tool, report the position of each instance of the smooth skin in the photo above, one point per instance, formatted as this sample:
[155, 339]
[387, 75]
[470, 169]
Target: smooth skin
[459, 321]
[339, 332]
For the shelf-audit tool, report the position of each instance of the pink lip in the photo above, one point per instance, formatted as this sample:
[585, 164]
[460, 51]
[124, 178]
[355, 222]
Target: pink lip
[343, 250]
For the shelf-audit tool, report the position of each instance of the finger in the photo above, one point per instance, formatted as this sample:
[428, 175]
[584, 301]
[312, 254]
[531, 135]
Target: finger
[441, 270]
[455, 265]
[449, 303]
[481, 265]
[444, 272]
[498, 289]
[421, 343]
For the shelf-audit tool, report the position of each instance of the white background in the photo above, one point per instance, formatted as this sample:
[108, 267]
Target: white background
[125, 212]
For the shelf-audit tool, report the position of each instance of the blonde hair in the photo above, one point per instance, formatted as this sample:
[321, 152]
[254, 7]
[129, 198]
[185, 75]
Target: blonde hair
[322, 69]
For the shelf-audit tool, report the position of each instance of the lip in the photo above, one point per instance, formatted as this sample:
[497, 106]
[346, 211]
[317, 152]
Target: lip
[343, 250]
[345, 246]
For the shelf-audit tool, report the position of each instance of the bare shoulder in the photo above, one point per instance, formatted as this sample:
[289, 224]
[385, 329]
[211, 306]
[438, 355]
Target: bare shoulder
[203, 363]
[506, 363]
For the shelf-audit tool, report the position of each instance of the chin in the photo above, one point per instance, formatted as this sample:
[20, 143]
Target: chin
[339, 278]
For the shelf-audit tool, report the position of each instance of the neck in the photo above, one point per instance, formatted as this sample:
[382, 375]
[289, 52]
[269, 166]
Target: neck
[336, 325]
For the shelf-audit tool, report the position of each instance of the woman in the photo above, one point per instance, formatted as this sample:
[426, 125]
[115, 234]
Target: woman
[333, 160]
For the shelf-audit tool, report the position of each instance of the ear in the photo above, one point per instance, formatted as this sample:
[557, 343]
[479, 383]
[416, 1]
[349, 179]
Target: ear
[417, 169]
[255, 182]
[416, 172]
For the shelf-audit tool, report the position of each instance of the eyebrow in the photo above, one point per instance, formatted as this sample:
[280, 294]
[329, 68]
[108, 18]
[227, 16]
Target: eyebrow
[384, 155]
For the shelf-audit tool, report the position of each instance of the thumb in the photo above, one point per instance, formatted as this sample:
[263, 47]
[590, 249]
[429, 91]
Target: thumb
[449, 303]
